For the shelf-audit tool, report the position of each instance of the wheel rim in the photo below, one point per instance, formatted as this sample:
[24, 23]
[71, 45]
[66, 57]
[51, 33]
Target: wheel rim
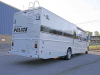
[69, 54]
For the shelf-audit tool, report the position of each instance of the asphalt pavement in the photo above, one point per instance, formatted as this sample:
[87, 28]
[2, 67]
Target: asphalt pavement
[80, 64]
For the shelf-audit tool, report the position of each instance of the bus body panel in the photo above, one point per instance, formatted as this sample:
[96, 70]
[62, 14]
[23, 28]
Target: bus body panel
[51, 34]
[56, 44]
[25, 34]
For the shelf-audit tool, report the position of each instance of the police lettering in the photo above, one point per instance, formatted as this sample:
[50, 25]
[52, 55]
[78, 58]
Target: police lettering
[21, 29]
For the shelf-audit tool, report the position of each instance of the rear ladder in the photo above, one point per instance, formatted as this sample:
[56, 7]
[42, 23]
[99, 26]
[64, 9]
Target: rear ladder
[32, 32]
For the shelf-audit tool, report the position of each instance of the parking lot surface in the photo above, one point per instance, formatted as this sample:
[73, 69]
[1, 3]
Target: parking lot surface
[80, 64]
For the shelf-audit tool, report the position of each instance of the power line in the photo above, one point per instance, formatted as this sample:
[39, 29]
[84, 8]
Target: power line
[89, 22]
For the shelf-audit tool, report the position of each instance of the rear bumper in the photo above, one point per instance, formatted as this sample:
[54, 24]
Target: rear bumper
[24, 54]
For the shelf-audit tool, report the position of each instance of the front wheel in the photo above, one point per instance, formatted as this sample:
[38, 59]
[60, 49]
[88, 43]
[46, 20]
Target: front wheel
[68, 56]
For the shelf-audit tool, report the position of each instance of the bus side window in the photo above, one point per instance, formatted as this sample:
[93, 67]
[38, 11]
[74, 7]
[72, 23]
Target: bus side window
[74, 34]
[86, 38]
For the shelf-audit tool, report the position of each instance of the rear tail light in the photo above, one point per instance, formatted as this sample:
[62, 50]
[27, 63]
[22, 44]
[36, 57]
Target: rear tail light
[12, 43]
[36, 43]
[30, 56]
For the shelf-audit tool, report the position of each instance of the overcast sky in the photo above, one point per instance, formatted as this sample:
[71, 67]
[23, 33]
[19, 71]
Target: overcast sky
[83, 13]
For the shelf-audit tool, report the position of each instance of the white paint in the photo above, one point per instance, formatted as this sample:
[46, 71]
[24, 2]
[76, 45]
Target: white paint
[51, 45]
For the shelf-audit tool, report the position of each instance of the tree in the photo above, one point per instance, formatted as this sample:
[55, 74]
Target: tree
[89, 33]
[96, 33]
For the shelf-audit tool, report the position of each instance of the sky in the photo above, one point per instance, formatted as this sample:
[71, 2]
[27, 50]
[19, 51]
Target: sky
[83, 13]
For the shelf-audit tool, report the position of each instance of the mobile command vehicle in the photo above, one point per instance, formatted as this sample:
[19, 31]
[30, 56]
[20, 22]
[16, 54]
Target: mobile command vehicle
[39, 33]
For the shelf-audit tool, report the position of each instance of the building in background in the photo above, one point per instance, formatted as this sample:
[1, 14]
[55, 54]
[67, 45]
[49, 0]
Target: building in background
[94, 39]
[6, 18]
[6, 21]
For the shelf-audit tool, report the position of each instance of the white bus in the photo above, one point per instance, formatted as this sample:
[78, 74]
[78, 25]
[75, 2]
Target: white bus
[39, 33]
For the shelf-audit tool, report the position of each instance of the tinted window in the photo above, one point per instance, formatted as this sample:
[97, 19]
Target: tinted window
[49, 30]
[57, 32]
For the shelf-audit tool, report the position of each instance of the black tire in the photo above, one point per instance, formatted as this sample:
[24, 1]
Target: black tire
[86, 52]
[68, 56]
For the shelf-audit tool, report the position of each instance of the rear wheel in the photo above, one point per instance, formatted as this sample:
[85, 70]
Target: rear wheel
[86, 52]
[69, 53]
